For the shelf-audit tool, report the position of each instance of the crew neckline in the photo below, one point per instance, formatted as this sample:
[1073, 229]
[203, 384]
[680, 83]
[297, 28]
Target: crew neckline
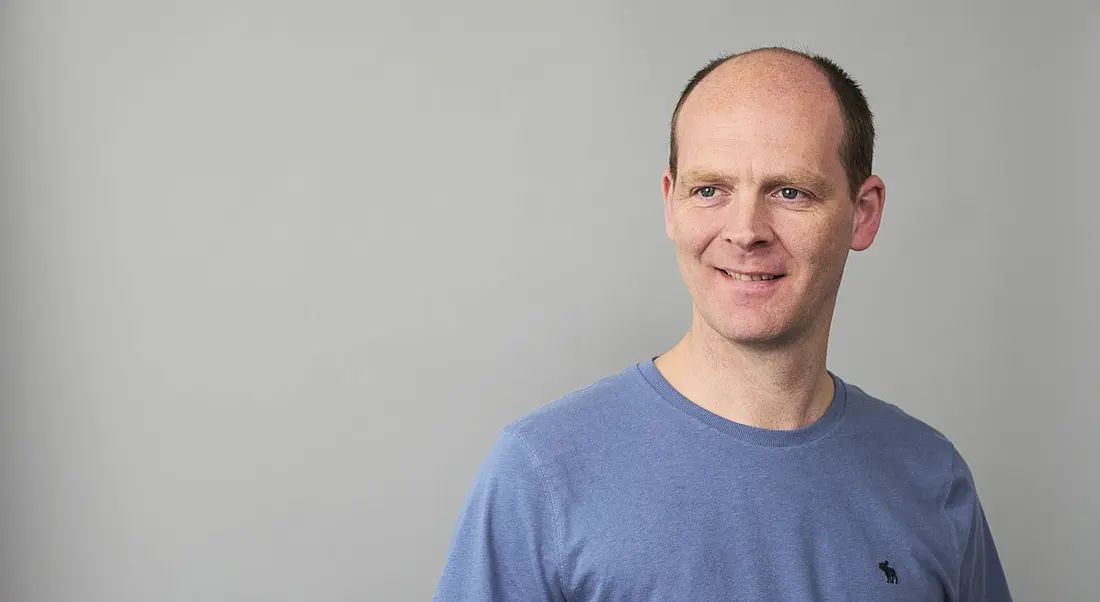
[743, 432]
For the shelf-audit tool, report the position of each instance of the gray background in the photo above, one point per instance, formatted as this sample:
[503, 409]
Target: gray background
[274, 274]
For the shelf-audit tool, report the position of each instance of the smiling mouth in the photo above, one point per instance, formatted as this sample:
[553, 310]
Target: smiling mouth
[750, 277]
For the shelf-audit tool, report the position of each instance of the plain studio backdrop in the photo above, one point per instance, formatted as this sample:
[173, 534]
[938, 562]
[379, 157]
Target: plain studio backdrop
[274, 274]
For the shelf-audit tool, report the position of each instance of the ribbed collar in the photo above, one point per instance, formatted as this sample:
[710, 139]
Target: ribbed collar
[749, 434]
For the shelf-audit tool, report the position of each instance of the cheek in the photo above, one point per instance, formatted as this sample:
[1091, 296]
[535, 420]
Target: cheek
[693, 233]
[823, 250]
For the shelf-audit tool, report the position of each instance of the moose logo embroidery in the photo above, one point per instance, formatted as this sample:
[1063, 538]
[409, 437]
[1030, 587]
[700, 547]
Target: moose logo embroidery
[891, 574]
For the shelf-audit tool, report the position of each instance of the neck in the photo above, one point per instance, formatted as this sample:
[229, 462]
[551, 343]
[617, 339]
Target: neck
[779, 387]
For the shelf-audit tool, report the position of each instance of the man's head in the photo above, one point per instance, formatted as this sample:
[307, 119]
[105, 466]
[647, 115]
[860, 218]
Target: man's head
[769, 179]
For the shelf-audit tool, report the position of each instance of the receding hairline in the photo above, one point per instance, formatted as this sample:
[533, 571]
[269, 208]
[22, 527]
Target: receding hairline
[798, 57]
[774, 50]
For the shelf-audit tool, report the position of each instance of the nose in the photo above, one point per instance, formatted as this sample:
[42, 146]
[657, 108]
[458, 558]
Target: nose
[748, 223]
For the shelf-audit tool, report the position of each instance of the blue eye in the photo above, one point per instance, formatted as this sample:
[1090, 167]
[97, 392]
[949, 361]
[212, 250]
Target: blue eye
[707, 192]
[789, 194]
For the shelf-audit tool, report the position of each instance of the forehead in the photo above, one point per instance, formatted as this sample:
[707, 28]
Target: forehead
[779, 112]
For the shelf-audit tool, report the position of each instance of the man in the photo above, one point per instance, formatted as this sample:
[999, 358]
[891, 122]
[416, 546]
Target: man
[735, 466]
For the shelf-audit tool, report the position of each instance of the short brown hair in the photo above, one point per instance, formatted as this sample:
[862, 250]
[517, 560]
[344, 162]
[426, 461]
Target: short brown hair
[857, 148]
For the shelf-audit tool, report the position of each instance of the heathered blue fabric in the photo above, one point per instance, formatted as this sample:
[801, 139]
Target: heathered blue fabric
[626, 490]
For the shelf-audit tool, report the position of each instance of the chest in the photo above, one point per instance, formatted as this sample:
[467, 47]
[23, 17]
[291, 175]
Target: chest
[772, 537]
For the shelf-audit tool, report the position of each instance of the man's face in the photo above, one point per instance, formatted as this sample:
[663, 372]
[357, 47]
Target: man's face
[759, 211]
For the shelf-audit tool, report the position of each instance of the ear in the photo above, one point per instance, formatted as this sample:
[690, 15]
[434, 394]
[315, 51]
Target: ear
[868, 213]
[668, 185]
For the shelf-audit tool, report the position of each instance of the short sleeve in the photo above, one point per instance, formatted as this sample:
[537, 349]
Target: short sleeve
[505, 546]
[980, 575]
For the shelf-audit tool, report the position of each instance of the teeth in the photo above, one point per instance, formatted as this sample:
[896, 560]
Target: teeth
[749, 278]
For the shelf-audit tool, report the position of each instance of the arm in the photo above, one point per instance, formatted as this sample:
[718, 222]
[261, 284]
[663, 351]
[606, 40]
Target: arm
[980, 575]
[506, 544]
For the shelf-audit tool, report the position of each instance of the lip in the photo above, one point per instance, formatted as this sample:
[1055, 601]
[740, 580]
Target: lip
[752, 284]
[779, 273]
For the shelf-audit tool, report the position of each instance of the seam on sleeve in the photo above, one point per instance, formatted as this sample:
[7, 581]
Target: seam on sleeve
[957, 568]
[960, 541]
[559, 537]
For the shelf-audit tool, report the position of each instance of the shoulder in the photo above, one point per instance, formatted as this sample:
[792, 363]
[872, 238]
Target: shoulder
[915, 446]
[882, 419]
[586, 422]
[597, 397]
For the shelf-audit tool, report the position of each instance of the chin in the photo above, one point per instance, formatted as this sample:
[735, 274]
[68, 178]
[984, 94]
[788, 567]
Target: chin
[750, 333]
[753, 338]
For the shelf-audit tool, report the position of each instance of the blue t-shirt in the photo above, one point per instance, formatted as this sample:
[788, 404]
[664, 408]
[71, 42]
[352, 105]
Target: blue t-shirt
[626, 490]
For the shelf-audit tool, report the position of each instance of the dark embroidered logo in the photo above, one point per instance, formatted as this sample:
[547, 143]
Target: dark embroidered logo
[891, 574]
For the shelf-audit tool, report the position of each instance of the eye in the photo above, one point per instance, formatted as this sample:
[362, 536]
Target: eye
[706, 192]
[791, 194]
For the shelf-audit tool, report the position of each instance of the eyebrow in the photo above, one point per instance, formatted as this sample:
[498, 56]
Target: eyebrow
[799, 178]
